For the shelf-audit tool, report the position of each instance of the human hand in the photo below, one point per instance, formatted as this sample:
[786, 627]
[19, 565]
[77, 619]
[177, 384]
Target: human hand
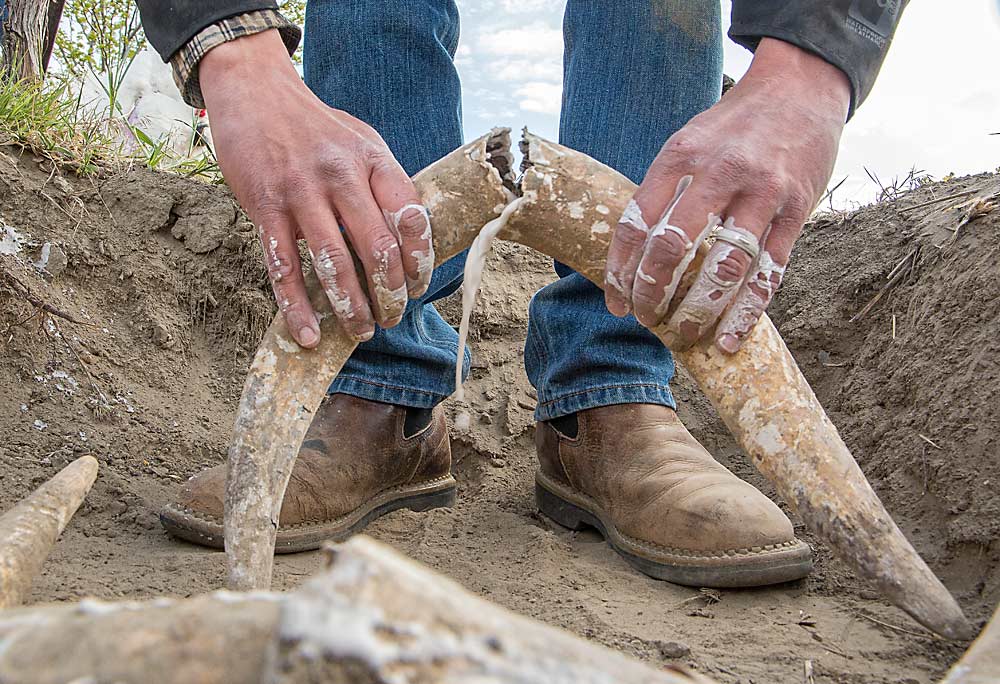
[301, 170]
[756, 163]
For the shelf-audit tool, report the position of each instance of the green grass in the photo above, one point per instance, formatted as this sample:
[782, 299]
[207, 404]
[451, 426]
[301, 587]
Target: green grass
[44, 117]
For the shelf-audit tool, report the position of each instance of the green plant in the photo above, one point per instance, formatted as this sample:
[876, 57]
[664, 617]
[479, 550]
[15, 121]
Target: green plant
[99, 36]
[42, 116]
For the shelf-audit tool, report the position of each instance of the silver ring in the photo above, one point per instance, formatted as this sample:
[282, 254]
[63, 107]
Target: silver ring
[738, 237]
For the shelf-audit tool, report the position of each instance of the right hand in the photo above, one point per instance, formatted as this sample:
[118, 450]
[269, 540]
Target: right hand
[301, 169]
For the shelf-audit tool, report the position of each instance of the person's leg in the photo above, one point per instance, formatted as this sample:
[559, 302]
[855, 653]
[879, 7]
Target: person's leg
[635, 72]
[389, 63]
[612, 453]
[375, 444]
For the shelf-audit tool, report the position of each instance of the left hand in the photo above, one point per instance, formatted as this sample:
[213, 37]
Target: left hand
[756, 163]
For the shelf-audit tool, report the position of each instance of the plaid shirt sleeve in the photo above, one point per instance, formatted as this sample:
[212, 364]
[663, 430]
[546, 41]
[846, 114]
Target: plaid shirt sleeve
[185, 61]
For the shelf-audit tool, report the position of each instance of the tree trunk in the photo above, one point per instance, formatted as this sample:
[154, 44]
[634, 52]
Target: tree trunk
[24, 38]
[52, 28]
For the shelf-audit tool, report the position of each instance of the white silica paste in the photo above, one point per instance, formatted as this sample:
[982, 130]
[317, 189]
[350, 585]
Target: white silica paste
[475, 262]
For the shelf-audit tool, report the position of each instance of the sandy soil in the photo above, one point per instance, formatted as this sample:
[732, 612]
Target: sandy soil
[166, 280]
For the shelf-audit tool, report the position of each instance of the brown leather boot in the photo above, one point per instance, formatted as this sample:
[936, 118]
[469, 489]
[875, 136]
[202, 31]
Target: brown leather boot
[356, 464]
[637, 475]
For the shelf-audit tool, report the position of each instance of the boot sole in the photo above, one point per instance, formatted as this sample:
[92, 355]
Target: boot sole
[187, 525]
[728, 570]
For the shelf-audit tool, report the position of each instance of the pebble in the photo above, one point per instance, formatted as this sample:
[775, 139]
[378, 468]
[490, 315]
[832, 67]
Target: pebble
[673, 649]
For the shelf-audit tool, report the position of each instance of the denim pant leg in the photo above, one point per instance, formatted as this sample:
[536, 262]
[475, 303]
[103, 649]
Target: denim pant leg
[635, 72]
[389, 63]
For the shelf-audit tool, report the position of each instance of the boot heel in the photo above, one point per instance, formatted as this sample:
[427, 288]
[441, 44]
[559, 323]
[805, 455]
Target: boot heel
[563, 512]
[426, 502]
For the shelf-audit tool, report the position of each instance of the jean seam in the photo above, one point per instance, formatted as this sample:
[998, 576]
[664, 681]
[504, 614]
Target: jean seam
[426, 337]
[600, 388]
[538, 339]
[382, 385]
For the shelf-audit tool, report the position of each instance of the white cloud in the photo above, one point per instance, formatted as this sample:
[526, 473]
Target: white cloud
[475, 8]
[525, 70]
[540, 97]
[934, 104]
[538, 40]
[531, 6]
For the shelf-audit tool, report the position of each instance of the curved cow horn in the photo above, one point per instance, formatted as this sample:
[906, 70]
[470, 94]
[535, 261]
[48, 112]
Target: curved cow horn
[760, 393]
[30, 529]
[286, 384]
[566, 212]
[981, 663]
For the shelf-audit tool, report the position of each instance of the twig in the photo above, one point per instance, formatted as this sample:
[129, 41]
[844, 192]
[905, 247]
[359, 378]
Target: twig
[829, 193]
[60, 208]
[922, 635]
[929, 441]
[93, 382]
[896, 275]
[807, 672]
[978, 207]
[912, 254]
[939, 199]
[22, 290]
[20, 322]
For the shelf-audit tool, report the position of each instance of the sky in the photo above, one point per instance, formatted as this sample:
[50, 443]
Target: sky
[933, 107]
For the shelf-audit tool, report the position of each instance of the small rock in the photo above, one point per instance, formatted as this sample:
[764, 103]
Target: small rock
[162, 336]
[498, 462]
[62, 184]
[161, 471]
[673, 649]
[57, 261]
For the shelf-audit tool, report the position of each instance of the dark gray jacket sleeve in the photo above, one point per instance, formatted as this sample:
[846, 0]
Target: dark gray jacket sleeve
[853, 35]
[170, 24]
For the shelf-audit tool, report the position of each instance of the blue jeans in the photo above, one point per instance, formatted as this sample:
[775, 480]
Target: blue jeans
[635, 72]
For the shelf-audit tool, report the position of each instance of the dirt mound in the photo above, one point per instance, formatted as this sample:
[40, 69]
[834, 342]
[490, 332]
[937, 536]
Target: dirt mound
[165, 278]
[912, 381]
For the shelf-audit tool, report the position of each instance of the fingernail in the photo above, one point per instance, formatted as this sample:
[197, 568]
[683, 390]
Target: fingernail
[414, 218]
[618, 309]
[670, 340]
[728, 343]
[364, 336]
[308, 337]
[416, 288]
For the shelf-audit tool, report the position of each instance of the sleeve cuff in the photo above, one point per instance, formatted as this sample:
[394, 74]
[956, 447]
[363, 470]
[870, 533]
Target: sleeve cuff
[749, 36]
[185, 61]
